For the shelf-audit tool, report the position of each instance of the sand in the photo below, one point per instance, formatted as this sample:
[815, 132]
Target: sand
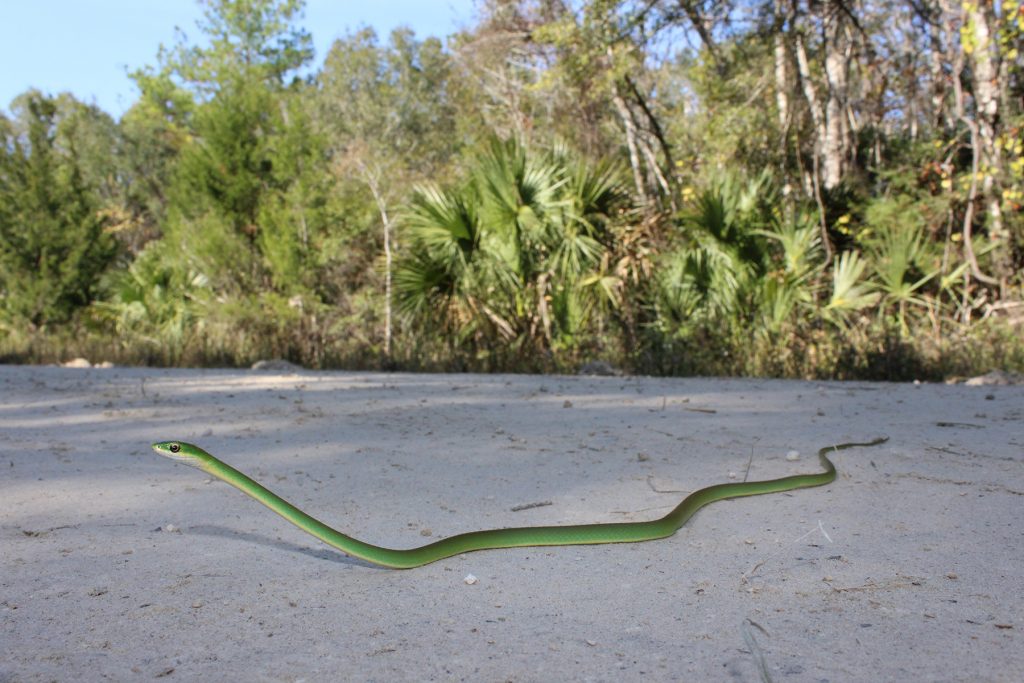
[118, 564]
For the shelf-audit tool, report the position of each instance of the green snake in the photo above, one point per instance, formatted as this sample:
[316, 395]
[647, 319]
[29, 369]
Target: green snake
[578, 534]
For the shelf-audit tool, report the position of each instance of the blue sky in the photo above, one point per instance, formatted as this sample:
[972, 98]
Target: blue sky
[86, 47]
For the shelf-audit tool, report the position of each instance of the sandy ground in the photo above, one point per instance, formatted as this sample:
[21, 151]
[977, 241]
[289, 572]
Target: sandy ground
[118, 564]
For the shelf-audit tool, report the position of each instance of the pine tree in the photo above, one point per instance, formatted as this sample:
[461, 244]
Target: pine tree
[53, 247]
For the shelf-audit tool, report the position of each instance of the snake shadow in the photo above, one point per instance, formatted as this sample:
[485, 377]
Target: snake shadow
[326, 554]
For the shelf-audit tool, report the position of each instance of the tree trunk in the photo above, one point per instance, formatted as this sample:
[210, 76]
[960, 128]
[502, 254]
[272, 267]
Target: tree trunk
[781, 69]
[835, 145]
[371, 178]
[811, 95]
[629, 126]
[810, 91]
[950, 21]
[984, 57]
[938, 84]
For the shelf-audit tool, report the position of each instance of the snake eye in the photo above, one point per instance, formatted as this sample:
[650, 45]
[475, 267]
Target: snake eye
[174, 448]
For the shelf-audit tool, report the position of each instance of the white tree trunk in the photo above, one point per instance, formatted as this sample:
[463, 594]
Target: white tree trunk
[372, 180]
[781, 79]
[807, 83]
[835, 144]
[629, 126]
[984, 56]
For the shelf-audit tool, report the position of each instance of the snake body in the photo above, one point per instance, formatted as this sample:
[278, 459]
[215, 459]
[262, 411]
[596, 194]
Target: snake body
[578, 534]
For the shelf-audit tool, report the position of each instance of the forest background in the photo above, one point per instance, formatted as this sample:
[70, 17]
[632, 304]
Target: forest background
[734, 187]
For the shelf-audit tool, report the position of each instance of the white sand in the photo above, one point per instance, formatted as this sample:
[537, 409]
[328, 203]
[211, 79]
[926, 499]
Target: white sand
[918, 578]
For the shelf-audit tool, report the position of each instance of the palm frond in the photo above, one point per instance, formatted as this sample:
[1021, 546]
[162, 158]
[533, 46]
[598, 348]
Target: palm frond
[445, 224]
[801, 245]
[896, 256]
[849, 293]
[421, 284]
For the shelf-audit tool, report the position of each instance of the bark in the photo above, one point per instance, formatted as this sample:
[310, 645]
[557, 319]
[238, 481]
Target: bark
[807, 84]
[652, 121]
[781, 68]
[835, 144]
[811, 95]
[972, 126]
[372, 181]
[654, 171]
[654, 130]
[984, 56]
[629, 126]
[938, 83]
[833, 120]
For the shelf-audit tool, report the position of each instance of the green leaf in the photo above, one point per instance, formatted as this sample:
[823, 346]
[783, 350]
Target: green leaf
[849, 293]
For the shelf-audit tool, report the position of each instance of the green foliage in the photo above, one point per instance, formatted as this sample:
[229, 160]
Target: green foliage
[247, 198]
[552, 185]
[392, 99]
[53, 247]
[154, 304]
[250, 40]
[792, 282]
[227, 165]
[445, 229]
[850, 293]
[734, 123]
[898, 252]
[718, 274]
[512, 256]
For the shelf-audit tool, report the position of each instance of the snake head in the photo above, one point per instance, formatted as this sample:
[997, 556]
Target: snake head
[182, 452]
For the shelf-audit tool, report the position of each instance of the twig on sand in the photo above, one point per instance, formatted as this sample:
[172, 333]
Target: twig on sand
[749, 463]
[650, 483]
[529, 506]
[755, 649]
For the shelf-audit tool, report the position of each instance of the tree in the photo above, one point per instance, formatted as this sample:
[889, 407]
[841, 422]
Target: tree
[388, 122]
[249, 40]
[154, 131]
[587, 66]
[53, 247]
[232, 181]
[980, 42]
